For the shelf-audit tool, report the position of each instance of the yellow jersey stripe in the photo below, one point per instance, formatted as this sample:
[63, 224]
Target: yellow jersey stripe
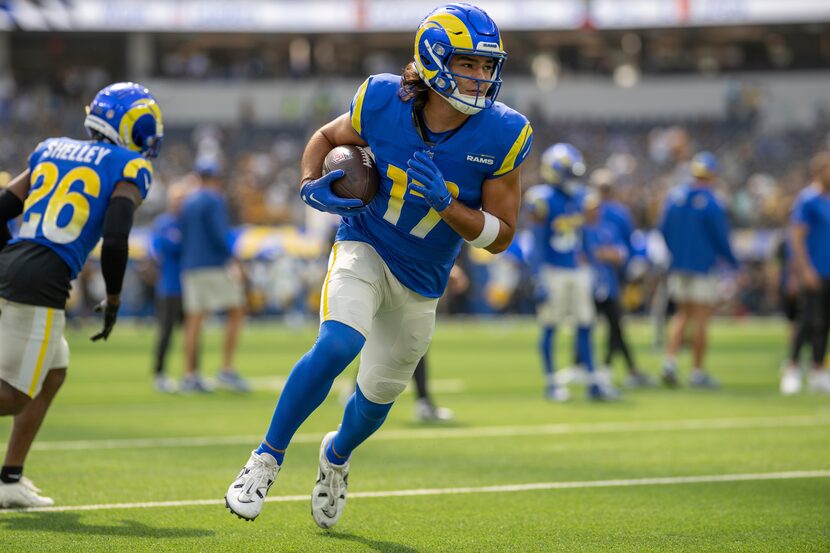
[44, 346]
[358, 106]
[326, 285]
[518, 145]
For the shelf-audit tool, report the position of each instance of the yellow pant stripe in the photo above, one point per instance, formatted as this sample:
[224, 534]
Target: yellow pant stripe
[44, 346]
[326, 285]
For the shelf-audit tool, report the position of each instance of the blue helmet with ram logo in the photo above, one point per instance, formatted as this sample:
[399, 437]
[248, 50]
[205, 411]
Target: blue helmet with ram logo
[127, 115]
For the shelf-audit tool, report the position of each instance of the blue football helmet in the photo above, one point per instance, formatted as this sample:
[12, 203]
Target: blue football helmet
[129, 116]
[704, 165]
[561, 163]
[452, 30]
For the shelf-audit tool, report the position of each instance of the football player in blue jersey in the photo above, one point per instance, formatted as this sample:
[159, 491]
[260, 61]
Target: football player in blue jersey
[448, 155]
[809, 236]
[74, 193]
[696, 230]
[560, 267]
[611, 224]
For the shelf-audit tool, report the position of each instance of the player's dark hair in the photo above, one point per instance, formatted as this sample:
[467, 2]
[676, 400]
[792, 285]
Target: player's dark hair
[413, 87]
[97, 136]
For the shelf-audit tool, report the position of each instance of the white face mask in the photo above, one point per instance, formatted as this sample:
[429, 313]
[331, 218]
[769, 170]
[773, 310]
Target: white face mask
[457, 100]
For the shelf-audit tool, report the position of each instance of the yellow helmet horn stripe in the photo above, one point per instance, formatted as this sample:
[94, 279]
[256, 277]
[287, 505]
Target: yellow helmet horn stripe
[140, 108]
[456, 30]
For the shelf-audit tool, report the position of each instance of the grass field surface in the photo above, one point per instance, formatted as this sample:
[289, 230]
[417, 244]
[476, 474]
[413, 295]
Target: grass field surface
[738, 469]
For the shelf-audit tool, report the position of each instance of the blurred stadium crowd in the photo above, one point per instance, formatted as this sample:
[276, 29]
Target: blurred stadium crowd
[763, 167]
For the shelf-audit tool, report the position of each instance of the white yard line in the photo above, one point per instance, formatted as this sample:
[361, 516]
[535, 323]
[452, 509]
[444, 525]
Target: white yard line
[455, 433]
[657, 481]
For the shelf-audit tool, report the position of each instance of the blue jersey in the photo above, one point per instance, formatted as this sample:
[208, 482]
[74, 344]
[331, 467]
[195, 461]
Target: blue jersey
[559, 233]
[205, 230]
[167, 250]
[696, 230]
[606, 281]
[412, 239]
[618, 215]
[812, 209]
[71, 184]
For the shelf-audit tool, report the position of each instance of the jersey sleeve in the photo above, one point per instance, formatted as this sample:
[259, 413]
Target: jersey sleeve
[518, 137]
[138, 171]
[370, 98]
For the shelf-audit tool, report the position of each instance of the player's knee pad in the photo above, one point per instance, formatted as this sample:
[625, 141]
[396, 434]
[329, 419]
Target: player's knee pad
[383, 386]
[336, 346]
[368, 409]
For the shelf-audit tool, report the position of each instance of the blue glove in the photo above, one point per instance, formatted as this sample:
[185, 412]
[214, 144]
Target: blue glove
[318, 194]
[430, 183]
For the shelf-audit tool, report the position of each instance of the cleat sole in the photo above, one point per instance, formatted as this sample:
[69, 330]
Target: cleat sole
[228, 507]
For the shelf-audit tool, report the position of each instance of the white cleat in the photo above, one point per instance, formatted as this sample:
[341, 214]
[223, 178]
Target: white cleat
[790, 381]
[558, 394]
[246, 495]
[820, 381]
[425, 411]
[328, 500]
[19, 496]
[29, 485]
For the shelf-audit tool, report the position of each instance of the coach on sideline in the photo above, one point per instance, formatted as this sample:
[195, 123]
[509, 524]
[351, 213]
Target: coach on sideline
[696, 231]
[211, 279]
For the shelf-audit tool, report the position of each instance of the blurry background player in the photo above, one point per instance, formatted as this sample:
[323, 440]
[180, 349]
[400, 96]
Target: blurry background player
[788, 292]
[392, 259]
[166, 249]
[103, 180]
[557, 260]
[617, 215]
[211, 279]
[607, 251]
[810, 241]
[425, 408]
[696, 230]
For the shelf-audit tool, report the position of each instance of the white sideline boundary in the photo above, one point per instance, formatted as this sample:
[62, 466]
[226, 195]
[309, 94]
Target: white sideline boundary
[510, 488]
[456, 432]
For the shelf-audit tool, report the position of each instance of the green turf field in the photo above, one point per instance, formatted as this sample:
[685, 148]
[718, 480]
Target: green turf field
[740, 469]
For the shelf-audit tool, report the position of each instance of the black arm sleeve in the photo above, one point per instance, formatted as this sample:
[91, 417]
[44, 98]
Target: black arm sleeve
[10, 206]
[118, 221]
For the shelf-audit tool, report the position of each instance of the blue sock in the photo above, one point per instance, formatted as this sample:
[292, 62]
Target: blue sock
[309, 383]
[546, 349]
[583, 347]
[361, 419]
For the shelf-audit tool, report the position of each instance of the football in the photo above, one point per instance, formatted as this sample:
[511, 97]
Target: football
[361, 175]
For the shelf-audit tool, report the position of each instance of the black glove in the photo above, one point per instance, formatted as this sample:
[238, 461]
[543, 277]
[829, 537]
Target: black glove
[5, 235]
[110, 315]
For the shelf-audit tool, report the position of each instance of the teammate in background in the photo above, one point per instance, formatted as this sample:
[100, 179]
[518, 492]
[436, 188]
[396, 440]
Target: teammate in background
[788, 291]
[560, 266]
[696, 231]
[212, 281]
[607, 251]
[448, 156]
[74, 193]
[167, 250]
[425, 408]
[612, 211]
[809, 234]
